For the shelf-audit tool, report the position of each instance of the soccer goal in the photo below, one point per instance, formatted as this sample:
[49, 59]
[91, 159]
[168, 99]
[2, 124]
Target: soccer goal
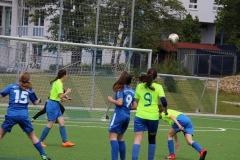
[190, 93]
[92, 70]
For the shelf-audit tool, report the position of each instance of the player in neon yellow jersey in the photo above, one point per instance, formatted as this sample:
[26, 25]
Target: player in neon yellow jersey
[180, 122]
[53, 108]
[147, 96]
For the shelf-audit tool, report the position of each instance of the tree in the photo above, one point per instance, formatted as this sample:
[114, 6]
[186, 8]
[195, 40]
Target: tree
[228, 19]
[154, 20]
[190, 30]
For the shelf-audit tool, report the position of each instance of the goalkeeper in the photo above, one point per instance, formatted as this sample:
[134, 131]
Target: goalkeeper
[180, 122]
[43, 111]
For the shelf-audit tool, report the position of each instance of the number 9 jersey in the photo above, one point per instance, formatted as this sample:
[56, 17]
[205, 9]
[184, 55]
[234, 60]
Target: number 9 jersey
[18, 99]
[148, 101]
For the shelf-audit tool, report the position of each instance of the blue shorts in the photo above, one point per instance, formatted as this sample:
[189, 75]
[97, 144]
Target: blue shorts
[22, 121]
[53, 110]
[141, 125]
[184, 121]
[119, 123]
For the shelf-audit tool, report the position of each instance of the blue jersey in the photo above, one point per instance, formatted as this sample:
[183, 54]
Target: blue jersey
[18, 99]
[128, 98]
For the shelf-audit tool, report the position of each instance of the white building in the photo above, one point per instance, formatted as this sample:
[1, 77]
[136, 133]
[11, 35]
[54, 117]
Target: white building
[205, 10]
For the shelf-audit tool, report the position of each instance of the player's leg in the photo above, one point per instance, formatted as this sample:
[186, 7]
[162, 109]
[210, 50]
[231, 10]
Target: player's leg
[152, 131]
[63, 131]
[27, 127]
[62, 111]
[7, 125]
[171, 134]
[122, 146]
[2, 133]
[114, 129]
[139, 128]
[52, 109]
[38, 145]
[196, 146]
[43, 111]
[121, 142]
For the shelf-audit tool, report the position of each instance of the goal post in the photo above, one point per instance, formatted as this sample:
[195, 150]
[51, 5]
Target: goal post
[90, 84]
[190, 93]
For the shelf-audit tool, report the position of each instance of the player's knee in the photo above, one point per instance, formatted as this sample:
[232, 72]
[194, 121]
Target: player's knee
[152, 139]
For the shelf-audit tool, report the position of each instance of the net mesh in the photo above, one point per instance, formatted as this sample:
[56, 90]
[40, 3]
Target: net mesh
[90, 82]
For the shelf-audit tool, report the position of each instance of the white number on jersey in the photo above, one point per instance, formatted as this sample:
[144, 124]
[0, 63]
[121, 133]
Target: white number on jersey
[128, 100]
[23, 97]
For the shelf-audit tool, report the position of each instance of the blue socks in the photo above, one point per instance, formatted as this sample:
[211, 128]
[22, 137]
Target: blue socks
[196, 146]
[151, 151]
[135, 151]
[63, 133]
[39, 147]
[44, 133]
[122, 150]
[115, 148]
[171, 146]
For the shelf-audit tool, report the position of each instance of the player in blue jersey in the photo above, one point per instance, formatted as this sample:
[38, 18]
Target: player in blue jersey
[124, 101]
[180, 122]
[53, 108]
[17, 113]
[148, 93]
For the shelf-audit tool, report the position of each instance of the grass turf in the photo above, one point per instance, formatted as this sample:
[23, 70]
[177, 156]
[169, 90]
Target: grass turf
[216, 134]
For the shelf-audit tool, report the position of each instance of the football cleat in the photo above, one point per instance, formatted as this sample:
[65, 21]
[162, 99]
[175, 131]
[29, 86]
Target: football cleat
[43, 144]
[45, 157]
[32, 119]
[68, 144]
[171, 156]
[203, 154]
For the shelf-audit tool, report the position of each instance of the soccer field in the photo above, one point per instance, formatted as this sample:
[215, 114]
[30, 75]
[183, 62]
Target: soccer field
[219, 135]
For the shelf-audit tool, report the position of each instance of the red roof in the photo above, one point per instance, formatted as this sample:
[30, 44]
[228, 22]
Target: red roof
[170, 48]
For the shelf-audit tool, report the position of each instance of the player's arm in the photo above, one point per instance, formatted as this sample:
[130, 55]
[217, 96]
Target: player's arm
[134, 105]
[33, 98]
[164, 104]
[117, 102]
[177, 146]
[176, 122]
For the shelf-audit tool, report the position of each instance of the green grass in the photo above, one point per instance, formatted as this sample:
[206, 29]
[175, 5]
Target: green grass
[91, 139]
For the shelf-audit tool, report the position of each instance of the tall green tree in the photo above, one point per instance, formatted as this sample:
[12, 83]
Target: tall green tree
[190, 30]
[228, 20]
[154, 20]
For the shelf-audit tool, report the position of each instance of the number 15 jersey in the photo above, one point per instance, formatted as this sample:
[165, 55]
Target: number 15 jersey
[18, 99]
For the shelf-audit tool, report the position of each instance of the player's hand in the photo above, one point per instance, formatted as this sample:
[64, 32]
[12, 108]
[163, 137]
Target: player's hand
[181, 127]
[63, 99]
[69, 90]
[69, 98]
[177, 147]
[165, 111]
[110, 99]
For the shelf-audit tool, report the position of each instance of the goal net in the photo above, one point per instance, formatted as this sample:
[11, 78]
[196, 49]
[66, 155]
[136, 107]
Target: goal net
[190, 93]
[92, 71]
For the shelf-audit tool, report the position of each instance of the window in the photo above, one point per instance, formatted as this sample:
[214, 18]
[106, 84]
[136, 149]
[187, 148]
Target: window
[193, 4]
[24, 24]
[216, 7]
[38, 29]
[39, 19]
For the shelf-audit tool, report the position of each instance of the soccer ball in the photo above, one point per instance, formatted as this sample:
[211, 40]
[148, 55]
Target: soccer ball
[173, 38]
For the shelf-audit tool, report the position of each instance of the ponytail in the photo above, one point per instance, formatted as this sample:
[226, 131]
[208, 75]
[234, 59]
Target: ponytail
[23, 81]
[61, 73]
[148, 78]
